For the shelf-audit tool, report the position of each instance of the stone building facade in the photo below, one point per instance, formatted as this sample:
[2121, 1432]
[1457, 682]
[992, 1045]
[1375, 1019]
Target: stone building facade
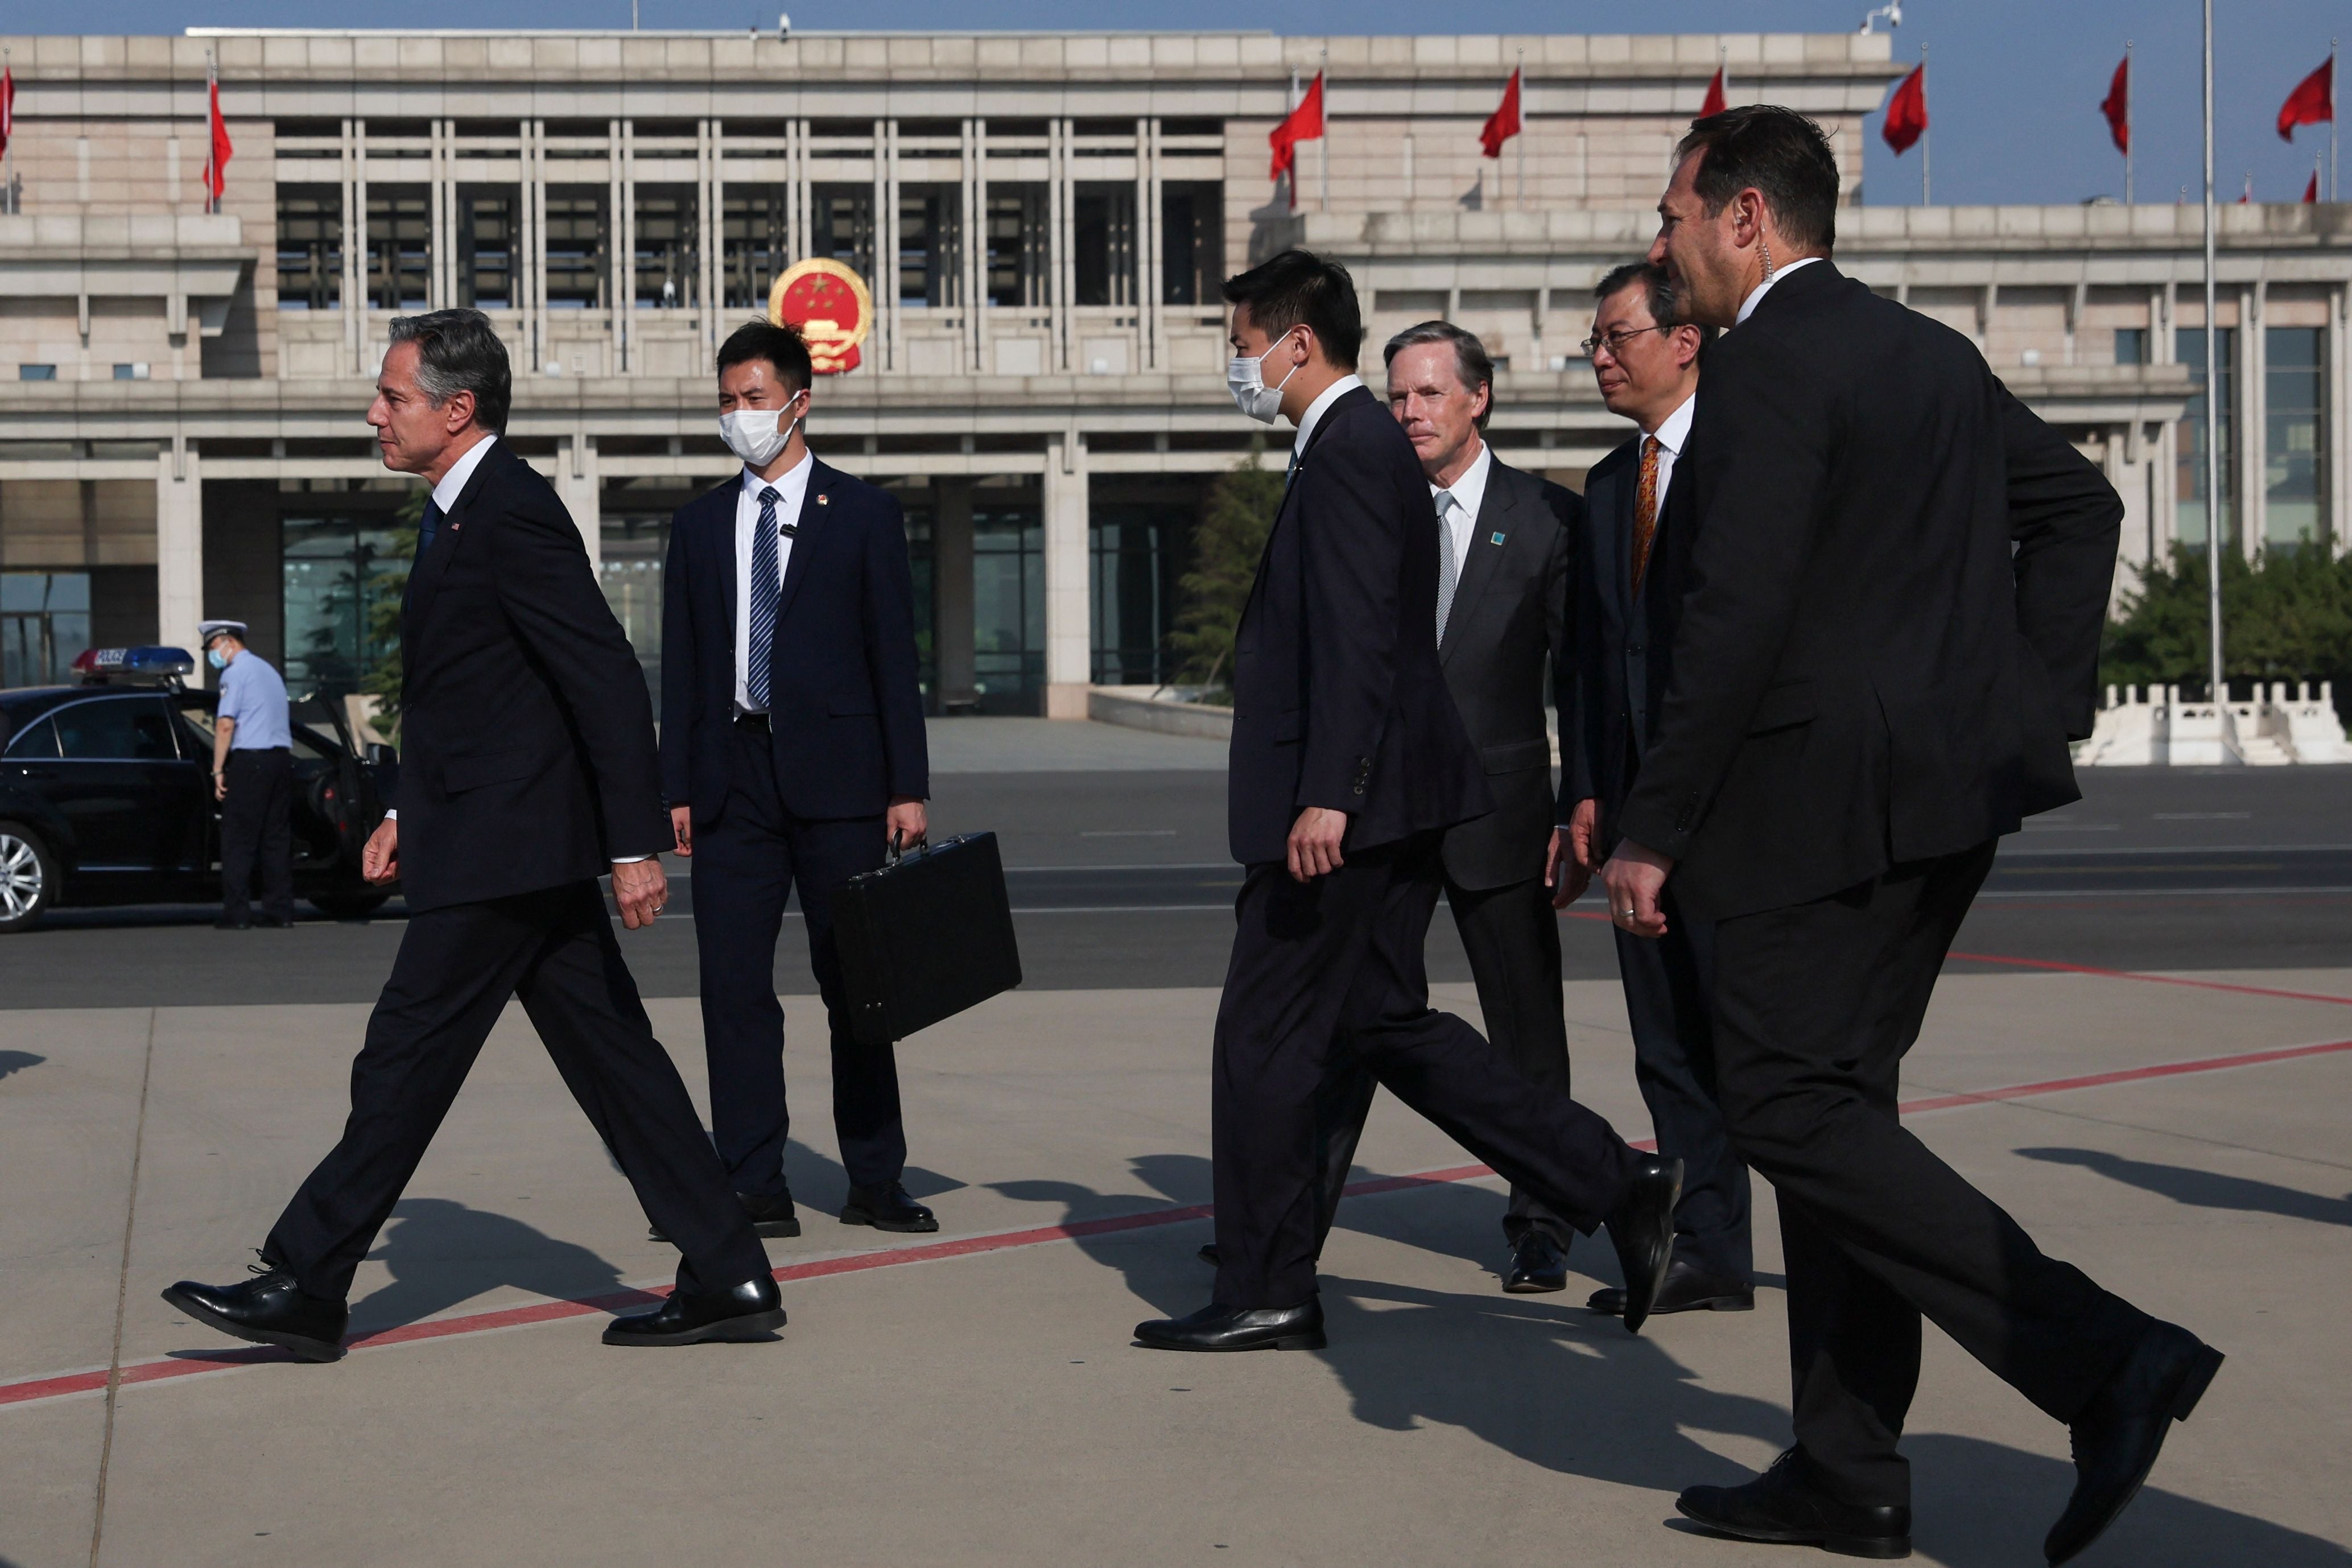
[1043, 221]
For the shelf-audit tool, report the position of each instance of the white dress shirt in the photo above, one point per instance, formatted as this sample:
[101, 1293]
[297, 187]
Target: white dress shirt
[1672, 433]
[1468, 493]
[1756, 295]
[792, 487]
[1315, 412]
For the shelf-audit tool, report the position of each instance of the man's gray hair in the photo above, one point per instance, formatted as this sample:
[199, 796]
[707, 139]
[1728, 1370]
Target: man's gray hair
[457, 350]
[1473, 365]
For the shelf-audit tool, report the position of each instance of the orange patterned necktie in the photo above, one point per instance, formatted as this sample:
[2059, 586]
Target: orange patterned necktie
[1645, 510]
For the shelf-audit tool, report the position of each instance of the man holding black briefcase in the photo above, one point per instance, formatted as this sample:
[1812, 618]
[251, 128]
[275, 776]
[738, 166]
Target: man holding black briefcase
[792, 754]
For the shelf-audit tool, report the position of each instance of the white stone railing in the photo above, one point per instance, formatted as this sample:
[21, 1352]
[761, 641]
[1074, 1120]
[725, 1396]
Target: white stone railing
[2143, 726]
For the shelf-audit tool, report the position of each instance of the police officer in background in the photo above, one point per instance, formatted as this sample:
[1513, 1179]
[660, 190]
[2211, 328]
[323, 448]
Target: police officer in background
[252, 778]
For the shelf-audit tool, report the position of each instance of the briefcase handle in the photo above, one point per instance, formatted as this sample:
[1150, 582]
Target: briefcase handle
[895, 853]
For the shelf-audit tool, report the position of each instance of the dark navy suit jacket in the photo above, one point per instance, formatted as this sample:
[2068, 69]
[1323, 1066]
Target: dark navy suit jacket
[845, 699]
[1338, 697]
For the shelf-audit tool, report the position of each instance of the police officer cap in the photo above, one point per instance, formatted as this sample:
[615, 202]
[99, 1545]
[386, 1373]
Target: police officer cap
[207, 630]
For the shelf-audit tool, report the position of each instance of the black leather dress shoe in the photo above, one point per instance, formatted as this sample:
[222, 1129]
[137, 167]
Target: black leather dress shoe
[768, 1216]
[1538, 1264]
[886, 1208]
[1641, 1229]
[1217, 1327]
[267, 1310]
[1784, 1505]
[2118, 1437]
[752, 1311]
[1686, 1289]
[1210, 1255]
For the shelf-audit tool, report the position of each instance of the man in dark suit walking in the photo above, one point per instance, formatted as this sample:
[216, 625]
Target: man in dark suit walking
[1627, 589]
[792, 754]
[1502, 588]
[530, 769]
[1895, 591]
[1349, 761]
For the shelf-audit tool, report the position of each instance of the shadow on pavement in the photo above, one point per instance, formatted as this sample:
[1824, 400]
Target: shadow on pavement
[2203, 1189]
[442, 1254]
[13, 1062]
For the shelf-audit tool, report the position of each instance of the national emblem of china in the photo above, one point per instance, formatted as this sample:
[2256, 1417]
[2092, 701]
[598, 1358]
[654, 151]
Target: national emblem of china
[830, 305]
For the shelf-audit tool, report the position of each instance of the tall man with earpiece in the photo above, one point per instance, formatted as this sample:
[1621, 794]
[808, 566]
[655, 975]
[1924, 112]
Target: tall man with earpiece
[792, 755]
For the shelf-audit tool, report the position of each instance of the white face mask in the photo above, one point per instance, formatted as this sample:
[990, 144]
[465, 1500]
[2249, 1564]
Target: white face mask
[1246, 379]
[751, 434]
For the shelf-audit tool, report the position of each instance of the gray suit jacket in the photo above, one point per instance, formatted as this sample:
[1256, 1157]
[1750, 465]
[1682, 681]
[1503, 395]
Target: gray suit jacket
[1506, 630]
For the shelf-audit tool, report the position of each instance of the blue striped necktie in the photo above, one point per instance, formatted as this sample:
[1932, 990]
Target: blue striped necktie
[766, 587]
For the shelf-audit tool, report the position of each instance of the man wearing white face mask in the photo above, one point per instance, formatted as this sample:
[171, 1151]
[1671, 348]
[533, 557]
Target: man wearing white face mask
[792, 753]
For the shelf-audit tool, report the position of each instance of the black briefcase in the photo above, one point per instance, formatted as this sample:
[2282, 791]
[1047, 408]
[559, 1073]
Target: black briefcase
[925, 937]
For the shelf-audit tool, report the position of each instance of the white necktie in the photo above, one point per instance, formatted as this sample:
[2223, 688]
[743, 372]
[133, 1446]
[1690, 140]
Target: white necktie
[1449, 572]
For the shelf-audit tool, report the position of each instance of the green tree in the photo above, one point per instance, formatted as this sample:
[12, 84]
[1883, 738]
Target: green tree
[2286, 617]
[1225, 550]
[388, 590]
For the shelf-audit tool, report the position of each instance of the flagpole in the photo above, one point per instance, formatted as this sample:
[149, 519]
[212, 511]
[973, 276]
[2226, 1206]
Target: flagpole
[1293, 177]
[211, 81]
[1517, 74]
[1926, 129]
[1723, 69]
[2335, 190]
[2212, 423]
[2130, 91]
[8, 162]
[1323, 160]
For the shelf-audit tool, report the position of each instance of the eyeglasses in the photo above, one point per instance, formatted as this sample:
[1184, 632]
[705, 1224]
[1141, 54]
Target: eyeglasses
[1615, 342]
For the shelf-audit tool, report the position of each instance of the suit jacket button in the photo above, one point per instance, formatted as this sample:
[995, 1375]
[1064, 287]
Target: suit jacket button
[1360, 789]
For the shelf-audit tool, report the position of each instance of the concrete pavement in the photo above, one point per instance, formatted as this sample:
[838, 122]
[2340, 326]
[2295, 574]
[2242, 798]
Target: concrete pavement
[987, 1408]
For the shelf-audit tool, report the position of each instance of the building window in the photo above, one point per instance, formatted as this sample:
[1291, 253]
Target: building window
[2294, 465]
[844, 219]
[1017, 261]
[486, 235]
[1103, 243]
[344, 576]
[139, 370]
[44, 626]
[1008, 606]
[636, 543]
[37, 372]
[755, 227]
[2189, 505]
[1140, 550]
[1191, 241]
[930, 245]
[576, 230]
[668, 264]
[2131, 345]
[399, 247]
[310, 248]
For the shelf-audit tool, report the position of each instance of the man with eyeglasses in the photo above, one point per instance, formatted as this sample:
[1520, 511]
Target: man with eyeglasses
[1628, 585]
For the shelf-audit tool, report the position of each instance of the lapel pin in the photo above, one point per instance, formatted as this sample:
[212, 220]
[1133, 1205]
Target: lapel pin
[1497, 540]
[823, 500]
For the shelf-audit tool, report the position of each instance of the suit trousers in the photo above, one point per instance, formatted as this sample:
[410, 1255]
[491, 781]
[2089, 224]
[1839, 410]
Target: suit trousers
[747, 864]
[255, 831]
[1332, 970]
[457, 966]
[1511, 934]
[1669, 983]
[1815, 1006]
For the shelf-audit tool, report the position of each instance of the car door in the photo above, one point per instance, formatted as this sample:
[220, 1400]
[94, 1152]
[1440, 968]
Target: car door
[134, 802]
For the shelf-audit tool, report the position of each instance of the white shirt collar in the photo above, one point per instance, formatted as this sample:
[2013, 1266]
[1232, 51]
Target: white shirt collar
[1470, 489]
[1675, 428]
[791, 484]
[1755, 295]
[453, 483]
[1316, 409]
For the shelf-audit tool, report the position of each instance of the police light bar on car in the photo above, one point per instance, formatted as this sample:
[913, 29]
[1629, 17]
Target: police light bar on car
[97, 666]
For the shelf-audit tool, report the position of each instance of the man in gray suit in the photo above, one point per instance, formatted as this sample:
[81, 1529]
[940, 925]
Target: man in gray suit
[1628, 583]
[1502, 592]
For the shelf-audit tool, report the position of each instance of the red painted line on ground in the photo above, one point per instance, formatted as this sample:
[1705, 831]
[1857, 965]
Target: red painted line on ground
[2056, 967]
[191, 1364]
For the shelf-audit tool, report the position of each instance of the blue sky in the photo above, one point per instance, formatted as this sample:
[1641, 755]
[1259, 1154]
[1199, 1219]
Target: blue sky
[2014, 88]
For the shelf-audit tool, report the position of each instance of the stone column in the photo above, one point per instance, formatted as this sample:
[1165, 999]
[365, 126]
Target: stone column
[576, 483]
[179, 544]
[1069, 619]
[955, 668]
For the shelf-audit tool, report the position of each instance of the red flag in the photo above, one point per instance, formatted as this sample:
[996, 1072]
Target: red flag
[1503, 124]
[2117, 107]
[1906, 111]
[2310, 191]
[1304, 123]
[7, 107]
[1714, 103]
[2312, 103]
[216, 167]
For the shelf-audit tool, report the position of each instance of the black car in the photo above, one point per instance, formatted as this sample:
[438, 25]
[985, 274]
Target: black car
[106, 797]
